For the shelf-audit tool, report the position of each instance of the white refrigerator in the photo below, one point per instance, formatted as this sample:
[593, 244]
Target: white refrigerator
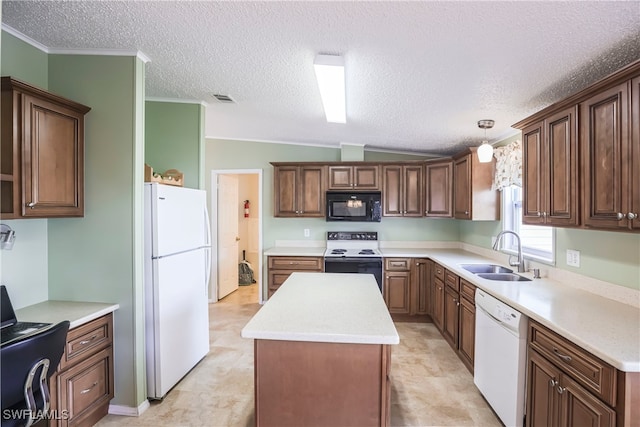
[177, 266]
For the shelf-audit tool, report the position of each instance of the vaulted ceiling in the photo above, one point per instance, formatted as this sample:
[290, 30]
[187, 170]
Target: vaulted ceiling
[419, 74]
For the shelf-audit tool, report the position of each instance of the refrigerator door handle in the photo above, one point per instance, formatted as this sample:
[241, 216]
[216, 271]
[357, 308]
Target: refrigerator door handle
[208, 251]
[207, 223]
[207, 271]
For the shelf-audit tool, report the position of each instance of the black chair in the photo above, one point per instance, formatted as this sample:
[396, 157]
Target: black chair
[26, 367]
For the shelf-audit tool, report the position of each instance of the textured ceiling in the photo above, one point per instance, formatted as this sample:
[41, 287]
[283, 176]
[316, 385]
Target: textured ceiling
[419, 74]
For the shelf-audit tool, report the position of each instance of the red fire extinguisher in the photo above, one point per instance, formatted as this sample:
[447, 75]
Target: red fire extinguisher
[246, 209]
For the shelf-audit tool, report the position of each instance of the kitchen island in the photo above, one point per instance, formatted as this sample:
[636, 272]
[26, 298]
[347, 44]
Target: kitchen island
[322, 352]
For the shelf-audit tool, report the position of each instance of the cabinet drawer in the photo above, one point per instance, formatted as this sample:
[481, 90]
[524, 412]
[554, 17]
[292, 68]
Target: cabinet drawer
[451, 280]
[397, 264]
[86, 386]
[589, 371]
[86, 339]
[438, 271]
[295, 263]
[467, 291]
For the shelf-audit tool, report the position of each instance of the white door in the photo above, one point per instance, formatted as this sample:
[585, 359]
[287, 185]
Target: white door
[227, 234]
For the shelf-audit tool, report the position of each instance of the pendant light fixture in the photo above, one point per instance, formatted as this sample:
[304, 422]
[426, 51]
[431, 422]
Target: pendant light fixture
[485, 150]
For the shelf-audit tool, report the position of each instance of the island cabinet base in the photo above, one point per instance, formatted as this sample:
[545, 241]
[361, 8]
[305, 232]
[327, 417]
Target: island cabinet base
[301, 383]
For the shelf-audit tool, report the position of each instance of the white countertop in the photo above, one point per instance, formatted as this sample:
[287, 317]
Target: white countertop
[77, 313]
[325, 307]
[607, 328]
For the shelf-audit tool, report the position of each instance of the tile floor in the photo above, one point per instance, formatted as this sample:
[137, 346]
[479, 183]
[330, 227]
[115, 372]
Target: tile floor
[430, 385]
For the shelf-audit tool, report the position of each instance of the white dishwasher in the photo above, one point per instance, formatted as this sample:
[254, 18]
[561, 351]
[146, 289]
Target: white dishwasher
[500, 357]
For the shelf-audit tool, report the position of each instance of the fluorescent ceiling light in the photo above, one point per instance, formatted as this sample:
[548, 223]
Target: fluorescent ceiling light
[330, 76]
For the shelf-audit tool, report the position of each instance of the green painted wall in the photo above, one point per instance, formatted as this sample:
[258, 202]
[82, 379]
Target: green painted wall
[606, 255]
[175, 138]
[23, 61]
[29, 254]
[99, 257]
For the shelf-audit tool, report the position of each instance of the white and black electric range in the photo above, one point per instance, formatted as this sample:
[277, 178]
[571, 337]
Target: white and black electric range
[353, 252]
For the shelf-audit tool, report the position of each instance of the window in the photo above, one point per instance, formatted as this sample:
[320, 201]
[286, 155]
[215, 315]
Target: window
[538, 242]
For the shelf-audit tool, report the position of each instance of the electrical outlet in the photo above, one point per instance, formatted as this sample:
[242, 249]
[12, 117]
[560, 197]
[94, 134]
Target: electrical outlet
[307, 232]
[573, 258]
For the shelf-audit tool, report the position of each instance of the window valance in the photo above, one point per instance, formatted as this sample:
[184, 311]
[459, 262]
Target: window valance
[508, 166]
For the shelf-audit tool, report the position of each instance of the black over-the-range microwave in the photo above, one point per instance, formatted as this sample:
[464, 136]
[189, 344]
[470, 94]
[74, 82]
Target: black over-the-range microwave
[350, 206]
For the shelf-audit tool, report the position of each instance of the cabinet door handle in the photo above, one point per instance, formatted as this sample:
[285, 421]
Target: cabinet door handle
[561, 356]
[553, 382]
[561, 389]
[466, 212]
[85, 342]
[619, 216]
[87, 390]
[31, 205]
[538, 214]
[632, 215]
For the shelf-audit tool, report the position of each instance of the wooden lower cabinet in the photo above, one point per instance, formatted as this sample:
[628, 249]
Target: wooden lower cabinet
[467, 324]
[437, 274]
[321, 384]
[279, 268]
[556, 400]
[457, 318]
[82, 387]
[406, 288]
[421, 298]
[451, 316]
[568, 386]
[397, 291]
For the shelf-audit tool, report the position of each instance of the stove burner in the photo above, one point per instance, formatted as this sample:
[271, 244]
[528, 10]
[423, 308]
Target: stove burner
[366, 252]
[338, 251]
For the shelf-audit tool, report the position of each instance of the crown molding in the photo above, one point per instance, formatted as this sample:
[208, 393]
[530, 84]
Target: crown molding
[17, 34]
[55, 51]
[176, 100]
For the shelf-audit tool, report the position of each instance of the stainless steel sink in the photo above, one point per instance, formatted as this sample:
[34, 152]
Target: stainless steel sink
[505, 277]
[485, 268]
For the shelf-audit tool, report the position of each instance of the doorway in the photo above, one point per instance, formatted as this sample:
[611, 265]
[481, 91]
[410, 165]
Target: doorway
[236, 232]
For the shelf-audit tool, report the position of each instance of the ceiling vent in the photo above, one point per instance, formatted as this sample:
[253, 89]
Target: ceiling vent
[224, 98]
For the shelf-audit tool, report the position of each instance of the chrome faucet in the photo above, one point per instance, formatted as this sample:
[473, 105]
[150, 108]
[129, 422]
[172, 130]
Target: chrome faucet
[520, 262]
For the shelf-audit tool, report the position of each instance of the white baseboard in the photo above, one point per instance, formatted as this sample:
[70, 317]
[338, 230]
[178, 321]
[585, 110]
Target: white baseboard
[129, 411]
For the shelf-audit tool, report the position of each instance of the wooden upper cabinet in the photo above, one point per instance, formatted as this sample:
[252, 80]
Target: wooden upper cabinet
[299, 191]
[606, 161]
[402, 190]
[438, 189]
[42, 153]
[581, 157]
[533, 176]
[354, 177]
[634, 178]
[550, 176]
[473, 197]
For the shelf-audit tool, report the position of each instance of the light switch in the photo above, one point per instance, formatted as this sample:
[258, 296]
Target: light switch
[307, 232]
